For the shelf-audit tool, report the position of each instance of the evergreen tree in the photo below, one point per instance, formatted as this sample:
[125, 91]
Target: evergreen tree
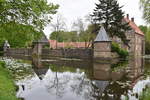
[109, 14]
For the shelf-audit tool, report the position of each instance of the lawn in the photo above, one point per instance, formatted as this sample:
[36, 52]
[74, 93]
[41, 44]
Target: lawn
[7, 86]
[145, 95]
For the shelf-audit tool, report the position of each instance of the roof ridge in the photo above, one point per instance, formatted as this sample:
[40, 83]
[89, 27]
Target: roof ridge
[134, 26]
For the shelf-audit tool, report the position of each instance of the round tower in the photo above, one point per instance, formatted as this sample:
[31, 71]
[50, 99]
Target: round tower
[102, 45]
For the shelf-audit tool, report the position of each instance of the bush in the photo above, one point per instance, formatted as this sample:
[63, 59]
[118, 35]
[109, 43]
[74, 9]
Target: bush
[147, 47]
[68, 47]
[1, 53]
[121, 52]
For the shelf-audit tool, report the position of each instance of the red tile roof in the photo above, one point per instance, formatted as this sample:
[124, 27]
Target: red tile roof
[68, 44]
[134, 26]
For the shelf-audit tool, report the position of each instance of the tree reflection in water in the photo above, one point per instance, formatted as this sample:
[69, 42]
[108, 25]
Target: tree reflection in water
[56, 84]
[83, 80]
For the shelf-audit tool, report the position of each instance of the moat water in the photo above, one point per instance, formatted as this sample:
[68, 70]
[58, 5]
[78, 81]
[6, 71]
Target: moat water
[68, 79]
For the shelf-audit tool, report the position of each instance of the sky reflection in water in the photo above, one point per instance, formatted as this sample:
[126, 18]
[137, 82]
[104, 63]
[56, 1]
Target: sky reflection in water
[83, 80]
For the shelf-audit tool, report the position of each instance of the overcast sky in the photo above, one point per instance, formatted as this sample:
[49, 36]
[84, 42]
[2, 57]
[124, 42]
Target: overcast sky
[73, 9]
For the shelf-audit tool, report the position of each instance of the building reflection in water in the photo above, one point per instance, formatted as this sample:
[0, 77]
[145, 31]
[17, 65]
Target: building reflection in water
[104, 72]
[39, 68]
[112, 81]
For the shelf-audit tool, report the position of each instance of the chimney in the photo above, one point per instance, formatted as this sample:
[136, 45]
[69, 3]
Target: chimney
[132, 19]
[127, 16]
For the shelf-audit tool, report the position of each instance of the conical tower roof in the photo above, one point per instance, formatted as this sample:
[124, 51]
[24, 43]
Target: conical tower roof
[102, 36]
[43, 39]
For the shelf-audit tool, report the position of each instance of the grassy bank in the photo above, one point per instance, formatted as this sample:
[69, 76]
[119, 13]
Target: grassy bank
[7, 86]
[145, 95]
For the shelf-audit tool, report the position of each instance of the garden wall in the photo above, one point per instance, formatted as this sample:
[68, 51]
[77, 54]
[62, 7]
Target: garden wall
[50, 53]
[68, 53]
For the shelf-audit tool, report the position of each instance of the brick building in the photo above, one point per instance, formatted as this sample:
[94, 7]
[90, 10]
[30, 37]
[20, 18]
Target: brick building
[135, 37]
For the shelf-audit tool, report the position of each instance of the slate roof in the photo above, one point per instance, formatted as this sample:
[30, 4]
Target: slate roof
[43, 39]
[40, 72]
[102, 36]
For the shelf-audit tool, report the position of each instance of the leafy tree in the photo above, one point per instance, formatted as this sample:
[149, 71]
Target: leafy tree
[88, 35]
[21, 21]
[29, 12]
[84, 34]
[144, 5]
[18, 35]
[148, 34]
[64, 36]
[93, 27]
[59, 36]
[109, 14]
[146, 31]
[58, 26]
[72, 36]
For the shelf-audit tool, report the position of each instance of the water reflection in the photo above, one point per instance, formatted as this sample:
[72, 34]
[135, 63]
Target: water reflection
[85, 80]
[39, 68]
[106, 71]
[121, 79]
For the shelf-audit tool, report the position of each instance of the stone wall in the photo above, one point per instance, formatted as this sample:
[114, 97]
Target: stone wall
[136, 43]
[139, 45]
[68, 53]
[50, 53]
[18, 51]
[102, 50]
[131, 37]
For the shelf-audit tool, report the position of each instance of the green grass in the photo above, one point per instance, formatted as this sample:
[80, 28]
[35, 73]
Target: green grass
[145, 95]
[7, 86]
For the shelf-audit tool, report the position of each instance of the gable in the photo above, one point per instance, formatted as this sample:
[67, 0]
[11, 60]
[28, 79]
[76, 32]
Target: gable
[134, 26]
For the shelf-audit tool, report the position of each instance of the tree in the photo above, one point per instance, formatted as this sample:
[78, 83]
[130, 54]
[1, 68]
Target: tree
[93, 27]
[88, 35]
[143, 28]
[21, 21]
[109, 14]
[64, 36]
[28, 12]
[78, 25]
[145, 6]
[18, 35]
[147, 40]
[86, 32]
[58, 25]
[146, 31]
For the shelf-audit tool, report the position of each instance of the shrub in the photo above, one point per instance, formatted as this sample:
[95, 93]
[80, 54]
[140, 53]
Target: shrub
[120, 51]
[114, 47]
[1, 53]
[68, 47]
[147, 47]
[46, 46]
